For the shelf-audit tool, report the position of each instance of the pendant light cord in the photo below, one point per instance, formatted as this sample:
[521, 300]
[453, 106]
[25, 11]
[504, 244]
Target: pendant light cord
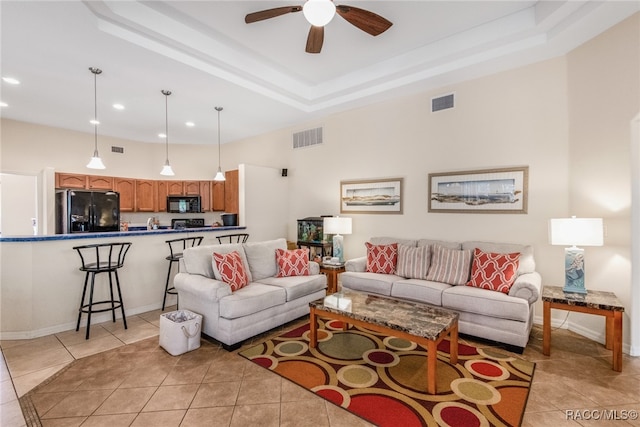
[218, 109]
[166, 120]
[95, 72]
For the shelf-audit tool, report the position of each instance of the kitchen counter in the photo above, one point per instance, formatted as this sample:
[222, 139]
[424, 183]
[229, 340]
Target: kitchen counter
[41, 283]
[73, 236]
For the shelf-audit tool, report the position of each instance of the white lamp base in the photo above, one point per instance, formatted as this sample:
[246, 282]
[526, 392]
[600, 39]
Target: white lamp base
[338, 245]
[574, 270]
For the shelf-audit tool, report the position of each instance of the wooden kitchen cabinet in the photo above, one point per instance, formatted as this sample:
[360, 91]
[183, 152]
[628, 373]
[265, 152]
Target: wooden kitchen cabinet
[162, 189]
[146, 199]
[217, 196]
[205, 196]
[127, 189]
[71, 180]
[231, 197]
[191, 188]
[176, 188]
[95, 182]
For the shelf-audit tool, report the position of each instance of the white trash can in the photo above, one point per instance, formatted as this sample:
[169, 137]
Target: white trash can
[180, 331]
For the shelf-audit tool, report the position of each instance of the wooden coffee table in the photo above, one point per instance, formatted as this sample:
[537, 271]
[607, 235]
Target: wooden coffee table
[423, 324]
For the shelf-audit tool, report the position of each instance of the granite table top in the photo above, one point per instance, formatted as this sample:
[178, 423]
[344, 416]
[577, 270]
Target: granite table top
[593, 299]
[414, 318]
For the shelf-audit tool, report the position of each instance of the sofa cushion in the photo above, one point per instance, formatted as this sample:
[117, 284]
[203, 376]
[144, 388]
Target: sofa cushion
[251, 299]
[293, 262]
[231, 269]
[390, 240]
[369, 282]
[486, 303]
[413, 262]
[199, 260]
[419, 290]
[527, 261]
[443, 243]
[382, 258]
[492, 271]
[298, 286]
[450, 265]
[261, 257]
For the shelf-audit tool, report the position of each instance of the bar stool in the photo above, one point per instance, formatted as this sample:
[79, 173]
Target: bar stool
[176, 247]
[233, 238]
[96, 259]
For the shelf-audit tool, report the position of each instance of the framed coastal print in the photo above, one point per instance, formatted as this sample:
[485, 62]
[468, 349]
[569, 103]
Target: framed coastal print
[377, 196]
[501, 190]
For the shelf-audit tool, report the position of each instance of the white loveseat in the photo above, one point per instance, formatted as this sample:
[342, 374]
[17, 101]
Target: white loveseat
[488, 314]
[266, 302]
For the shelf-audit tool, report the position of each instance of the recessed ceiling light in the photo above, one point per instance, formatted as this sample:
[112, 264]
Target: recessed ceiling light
[190, 124]
[162, 135]
[11, 80]
[94, 122]
[3, 104]
[118, 106]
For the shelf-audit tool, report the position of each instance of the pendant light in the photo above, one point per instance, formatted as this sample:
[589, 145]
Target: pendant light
[220, 175]
[166, 169]
[96, 161]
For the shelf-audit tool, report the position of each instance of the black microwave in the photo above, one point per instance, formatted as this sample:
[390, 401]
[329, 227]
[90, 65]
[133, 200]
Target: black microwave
[183, 204]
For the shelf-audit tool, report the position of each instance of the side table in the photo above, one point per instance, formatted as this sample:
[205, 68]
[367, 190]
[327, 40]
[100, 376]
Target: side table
[594, 302]
[332, 271]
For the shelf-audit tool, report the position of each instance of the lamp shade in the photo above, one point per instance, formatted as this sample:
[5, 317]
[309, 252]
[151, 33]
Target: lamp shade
[576, 231]
[319, 12]
[337, 225]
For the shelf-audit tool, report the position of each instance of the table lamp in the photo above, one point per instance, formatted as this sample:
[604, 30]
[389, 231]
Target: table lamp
[573, 232]
[337, 225]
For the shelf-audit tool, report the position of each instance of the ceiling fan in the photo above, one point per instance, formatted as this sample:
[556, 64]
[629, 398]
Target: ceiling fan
[319, 13]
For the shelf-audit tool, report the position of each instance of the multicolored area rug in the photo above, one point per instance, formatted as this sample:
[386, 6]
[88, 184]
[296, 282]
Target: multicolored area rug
[383, 379]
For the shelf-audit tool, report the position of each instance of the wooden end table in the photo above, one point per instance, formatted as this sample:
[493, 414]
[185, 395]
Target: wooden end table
[332, 271]
[594, 302]
[421, 323]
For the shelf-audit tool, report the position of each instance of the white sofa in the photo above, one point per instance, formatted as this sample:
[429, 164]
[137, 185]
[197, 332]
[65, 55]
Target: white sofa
[488, 314]
[266, 302]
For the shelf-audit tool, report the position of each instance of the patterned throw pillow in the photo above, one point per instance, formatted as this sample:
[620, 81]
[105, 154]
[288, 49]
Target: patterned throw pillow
[413, 262]
[293, 262]
[450, 266]
[231, 269]
[382, 258]
[492, 271]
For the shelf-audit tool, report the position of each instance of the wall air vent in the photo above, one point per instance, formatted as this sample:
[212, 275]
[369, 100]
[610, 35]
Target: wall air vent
[441, 103]
[307, 138]
[115, 149]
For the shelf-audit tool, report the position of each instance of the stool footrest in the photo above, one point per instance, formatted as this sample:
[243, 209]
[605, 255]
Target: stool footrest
[89, 307]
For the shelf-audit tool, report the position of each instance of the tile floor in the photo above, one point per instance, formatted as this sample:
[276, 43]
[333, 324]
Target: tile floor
[138, 384]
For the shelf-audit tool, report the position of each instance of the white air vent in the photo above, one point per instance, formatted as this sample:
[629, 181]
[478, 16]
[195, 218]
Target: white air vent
[307, 138]
[442, 103]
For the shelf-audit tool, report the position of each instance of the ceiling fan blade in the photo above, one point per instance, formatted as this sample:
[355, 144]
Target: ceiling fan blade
[270, 13]
[368, 22]
[315, 39]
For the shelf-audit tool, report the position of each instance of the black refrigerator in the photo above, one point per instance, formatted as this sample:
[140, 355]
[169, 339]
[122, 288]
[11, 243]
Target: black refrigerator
[80, 211]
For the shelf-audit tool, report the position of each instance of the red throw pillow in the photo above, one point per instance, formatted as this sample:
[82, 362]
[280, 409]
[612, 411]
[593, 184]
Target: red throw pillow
[292, 262]
[492, 271]
[231, 269]
[382, 258]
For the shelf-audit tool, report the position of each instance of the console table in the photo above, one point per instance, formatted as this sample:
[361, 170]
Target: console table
[594, 302]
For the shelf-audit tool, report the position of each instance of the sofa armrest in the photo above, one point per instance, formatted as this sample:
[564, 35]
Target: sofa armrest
[358, 265]
[527, 286]
[200, 286]
[314, 268]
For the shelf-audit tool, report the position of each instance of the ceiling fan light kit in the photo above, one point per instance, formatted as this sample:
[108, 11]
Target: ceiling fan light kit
[319, 13]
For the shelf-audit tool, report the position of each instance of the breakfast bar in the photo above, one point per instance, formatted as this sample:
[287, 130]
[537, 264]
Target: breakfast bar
[42, 283]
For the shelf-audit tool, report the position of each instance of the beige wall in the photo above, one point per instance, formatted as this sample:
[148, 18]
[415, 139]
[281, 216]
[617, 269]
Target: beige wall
[604, 97]
[566, 118]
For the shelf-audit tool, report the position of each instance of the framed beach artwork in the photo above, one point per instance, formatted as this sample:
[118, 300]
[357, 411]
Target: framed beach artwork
[481, 191]
[377, 196]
